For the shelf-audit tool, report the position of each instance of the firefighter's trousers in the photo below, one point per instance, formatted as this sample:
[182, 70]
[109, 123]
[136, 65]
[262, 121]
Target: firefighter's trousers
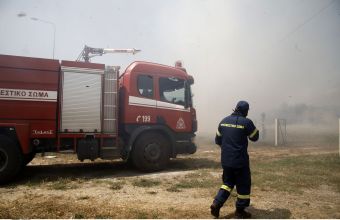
[239, 177]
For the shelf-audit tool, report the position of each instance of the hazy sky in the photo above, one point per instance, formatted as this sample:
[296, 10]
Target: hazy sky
[266, 52]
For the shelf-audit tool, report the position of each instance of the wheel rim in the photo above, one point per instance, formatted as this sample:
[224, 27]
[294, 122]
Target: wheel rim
[3, 160]
[152, 152]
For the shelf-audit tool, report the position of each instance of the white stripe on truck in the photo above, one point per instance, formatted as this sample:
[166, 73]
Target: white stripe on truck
[151, 103]
[28, 95]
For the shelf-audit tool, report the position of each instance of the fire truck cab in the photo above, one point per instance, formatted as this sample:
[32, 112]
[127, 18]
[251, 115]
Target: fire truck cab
[157, 109]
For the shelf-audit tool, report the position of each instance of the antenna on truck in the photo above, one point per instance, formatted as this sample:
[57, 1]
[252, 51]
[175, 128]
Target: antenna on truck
[88, 52]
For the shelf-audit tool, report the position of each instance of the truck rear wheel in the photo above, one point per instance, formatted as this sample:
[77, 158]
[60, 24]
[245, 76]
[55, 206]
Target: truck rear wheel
[151, 152]
[10, 159]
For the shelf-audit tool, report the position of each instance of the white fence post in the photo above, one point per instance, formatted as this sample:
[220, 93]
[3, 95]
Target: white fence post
[276, 132]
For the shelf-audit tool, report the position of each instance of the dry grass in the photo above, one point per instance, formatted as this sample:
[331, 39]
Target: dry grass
[146, 182]
[195, 180]
[287, 183]
[297, 173]
[117, 185]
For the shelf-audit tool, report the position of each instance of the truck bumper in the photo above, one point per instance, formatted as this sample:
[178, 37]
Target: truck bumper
[185, 147]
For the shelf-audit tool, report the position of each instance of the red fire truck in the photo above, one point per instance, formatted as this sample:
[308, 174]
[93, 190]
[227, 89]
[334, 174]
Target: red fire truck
[145, 115]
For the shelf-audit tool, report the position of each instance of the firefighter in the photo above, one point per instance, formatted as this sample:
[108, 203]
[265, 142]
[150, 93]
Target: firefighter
[232, 136]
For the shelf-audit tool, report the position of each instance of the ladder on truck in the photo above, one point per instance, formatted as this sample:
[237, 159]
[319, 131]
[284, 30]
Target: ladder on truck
[110, 99]
[88, 52]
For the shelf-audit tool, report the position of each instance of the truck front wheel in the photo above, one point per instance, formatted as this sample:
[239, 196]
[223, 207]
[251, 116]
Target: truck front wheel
[10, 159]
[151, 152]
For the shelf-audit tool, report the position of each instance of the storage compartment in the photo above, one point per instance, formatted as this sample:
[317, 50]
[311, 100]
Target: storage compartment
[81, 99]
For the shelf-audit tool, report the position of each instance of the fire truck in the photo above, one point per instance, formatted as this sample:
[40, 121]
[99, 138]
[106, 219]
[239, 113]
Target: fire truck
[144, 115]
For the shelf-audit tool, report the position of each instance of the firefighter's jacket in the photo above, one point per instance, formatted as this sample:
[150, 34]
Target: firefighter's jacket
[232, 135]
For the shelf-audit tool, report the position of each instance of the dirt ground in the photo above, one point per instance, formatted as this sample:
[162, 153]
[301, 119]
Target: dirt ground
[63, 187]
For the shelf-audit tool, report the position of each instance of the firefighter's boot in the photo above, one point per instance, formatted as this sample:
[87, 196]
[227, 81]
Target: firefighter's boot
[215, 210]
[241, 213]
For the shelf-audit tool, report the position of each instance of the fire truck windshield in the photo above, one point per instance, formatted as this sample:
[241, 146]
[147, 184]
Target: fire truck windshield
[174, 90]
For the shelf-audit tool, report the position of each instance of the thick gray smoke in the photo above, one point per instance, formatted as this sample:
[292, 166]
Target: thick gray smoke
[306, 114]
[278, 55]
[281, 56]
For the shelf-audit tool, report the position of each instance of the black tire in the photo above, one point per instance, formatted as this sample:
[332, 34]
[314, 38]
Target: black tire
[10, 159]
[151, 152]
[129, 162]
[28, 158]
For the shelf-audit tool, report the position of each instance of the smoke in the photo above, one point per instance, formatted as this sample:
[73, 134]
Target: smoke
[262, 52]
[280, 56]
[306, 114]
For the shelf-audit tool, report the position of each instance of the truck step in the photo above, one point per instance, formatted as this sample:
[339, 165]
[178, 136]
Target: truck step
[67, 151]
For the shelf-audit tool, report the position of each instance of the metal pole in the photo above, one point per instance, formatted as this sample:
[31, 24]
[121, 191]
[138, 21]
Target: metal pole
[276, 131]
[339, 137]
[263, 132]
[54, 30]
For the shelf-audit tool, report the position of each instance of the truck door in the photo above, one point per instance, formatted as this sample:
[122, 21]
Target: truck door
[142, 100]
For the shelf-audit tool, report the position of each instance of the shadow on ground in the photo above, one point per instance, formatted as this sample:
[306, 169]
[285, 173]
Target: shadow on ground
[94, 170]
[265, 214]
